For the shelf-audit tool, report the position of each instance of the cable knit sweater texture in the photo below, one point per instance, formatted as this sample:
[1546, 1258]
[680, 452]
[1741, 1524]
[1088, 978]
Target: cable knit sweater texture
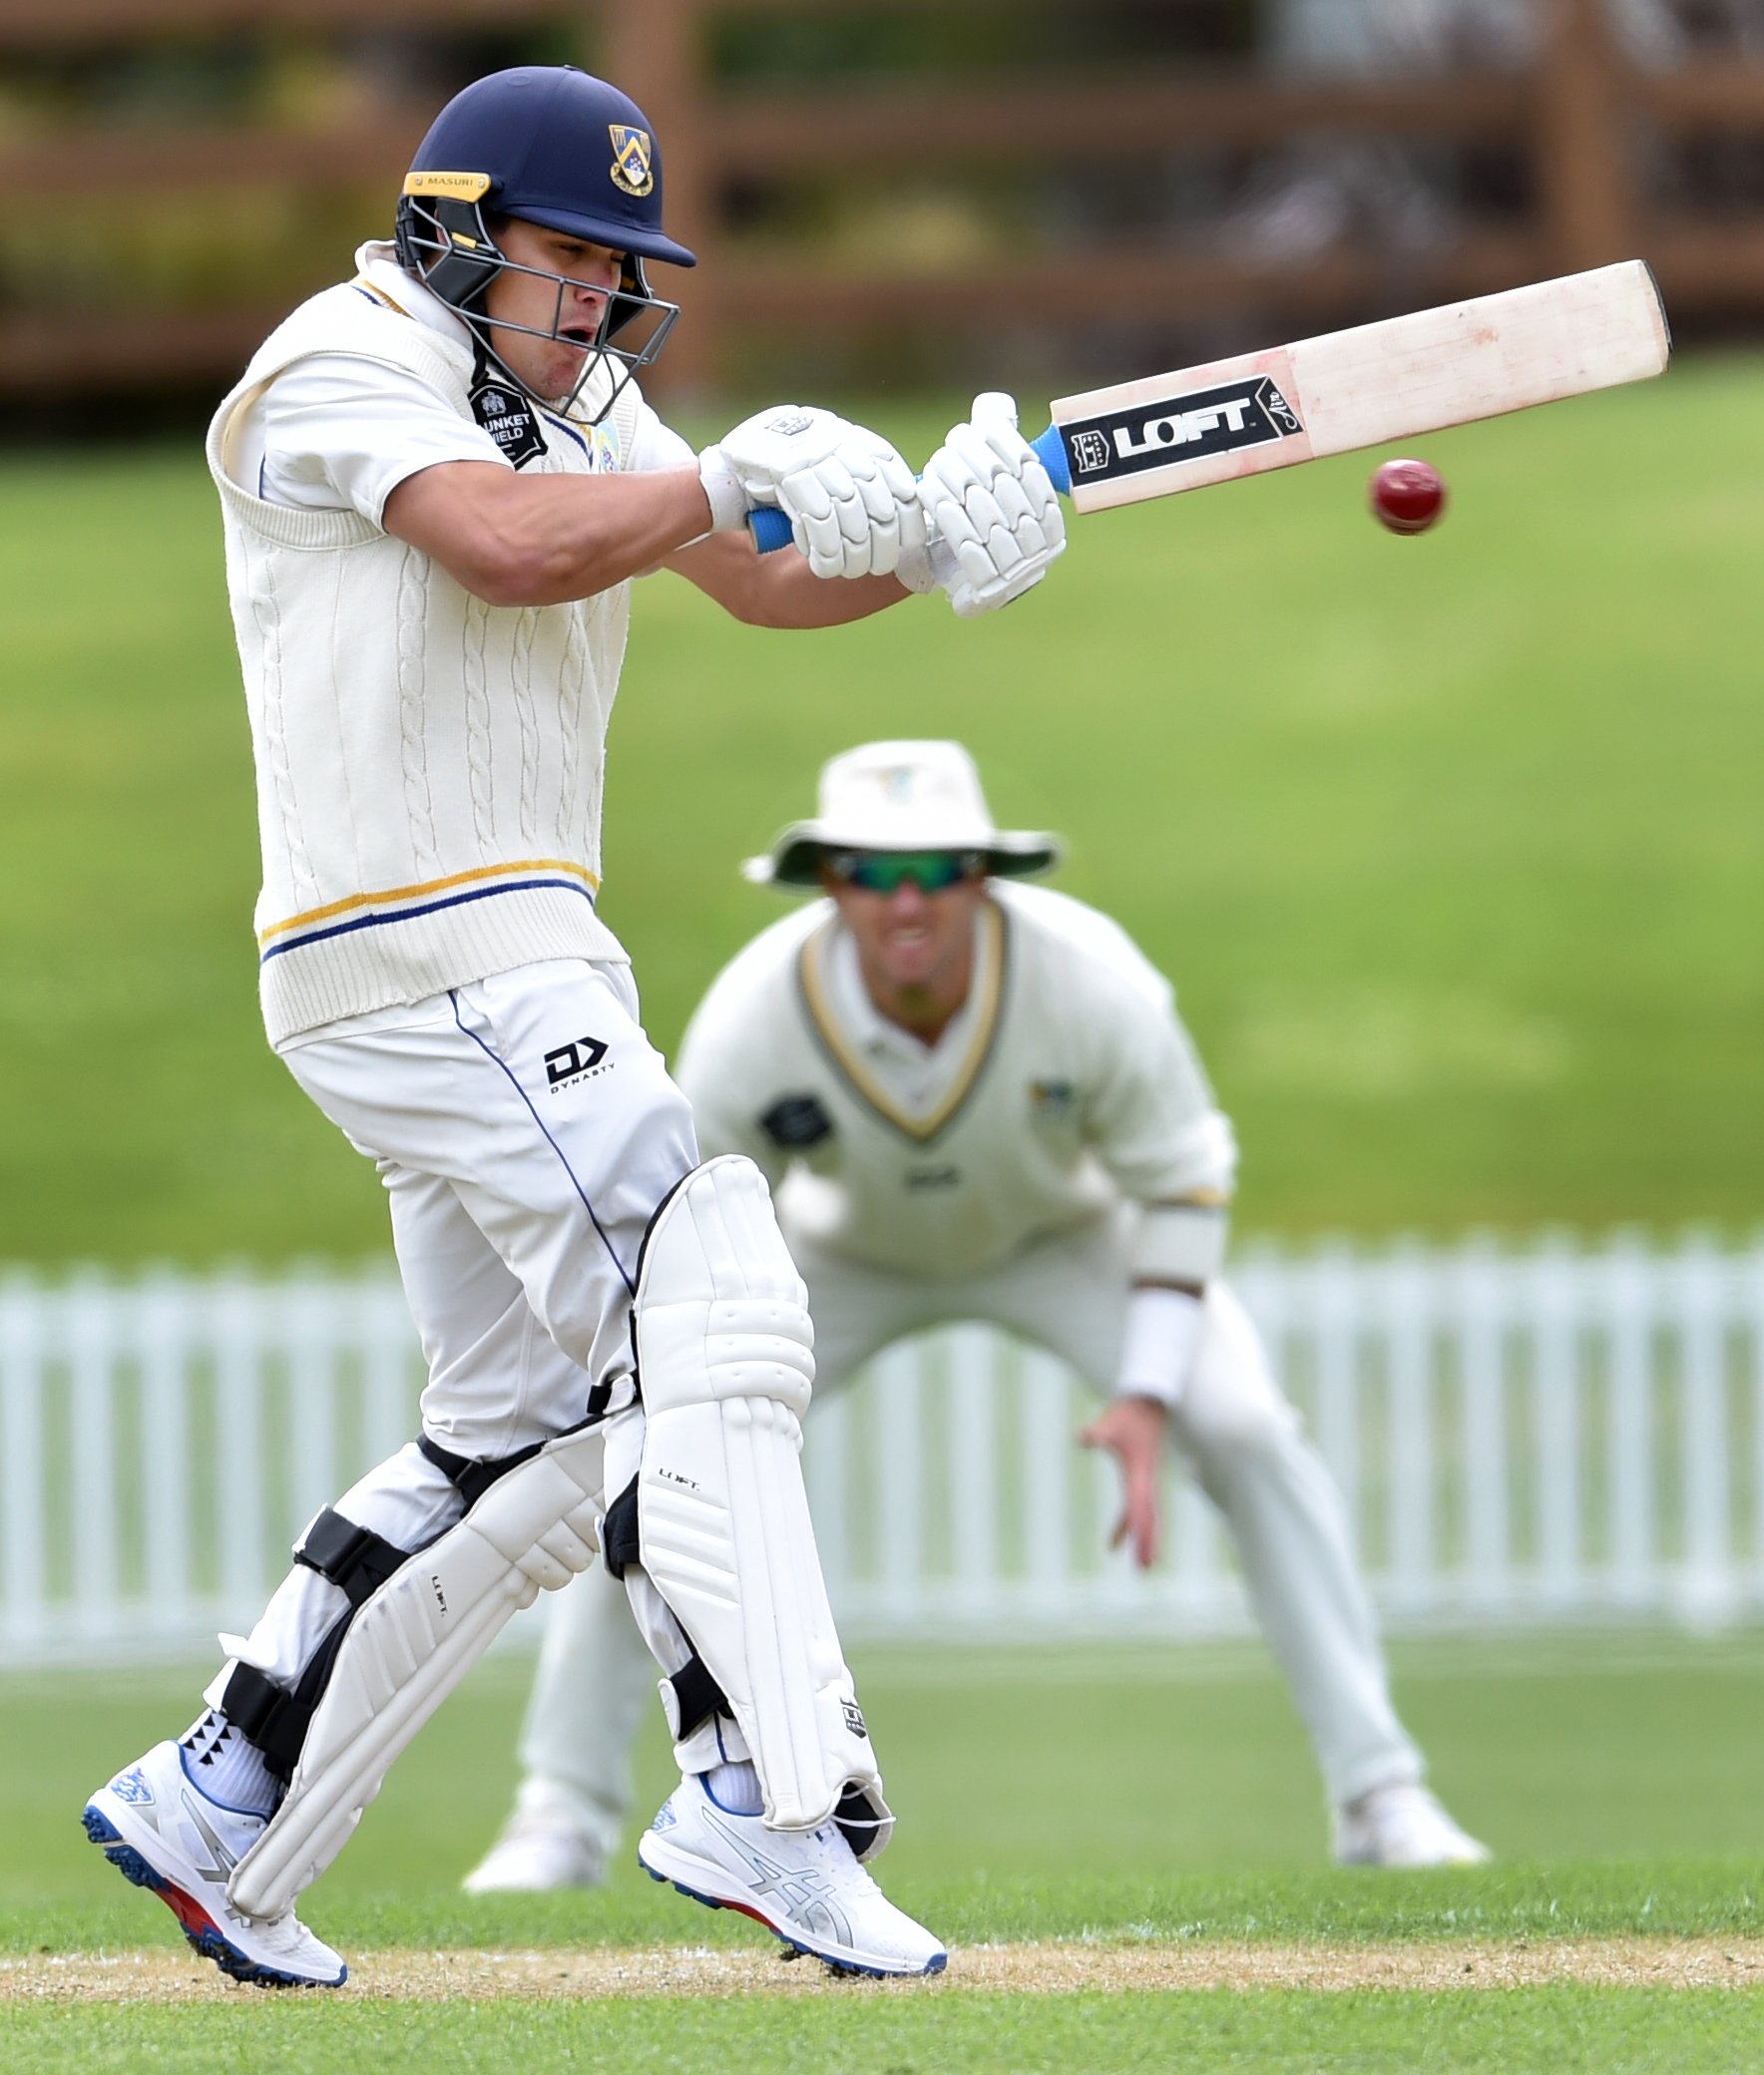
[429, 766]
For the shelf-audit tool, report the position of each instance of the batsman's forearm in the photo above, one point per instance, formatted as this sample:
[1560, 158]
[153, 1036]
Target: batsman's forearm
[545, 540]
[783, 592]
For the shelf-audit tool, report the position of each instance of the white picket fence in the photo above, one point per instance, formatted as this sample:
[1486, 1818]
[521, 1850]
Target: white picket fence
[1560, 1433]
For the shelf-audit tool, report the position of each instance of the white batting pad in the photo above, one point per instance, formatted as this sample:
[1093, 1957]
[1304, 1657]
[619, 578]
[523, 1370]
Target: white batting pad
[724, 1365]
[410, 1645]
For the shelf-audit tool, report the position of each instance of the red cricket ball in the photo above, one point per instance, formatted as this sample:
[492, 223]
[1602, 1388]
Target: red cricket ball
[1407, 496]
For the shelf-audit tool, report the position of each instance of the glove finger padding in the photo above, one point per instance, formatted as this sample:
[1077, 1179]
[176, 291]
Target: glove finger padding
[845, 525]
[1015, 504]
[903, 490]
[994, 549]
[990, 501]
[849, 496]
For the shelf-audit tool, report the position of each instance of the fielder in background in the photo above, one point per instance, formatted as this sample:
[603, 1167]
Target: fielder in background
[975, 1101]
[437, 481]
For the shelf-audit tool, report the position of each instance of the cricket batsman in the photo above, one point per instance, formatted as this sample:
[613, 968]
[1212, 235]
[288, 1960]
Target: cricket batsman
[975, 1101]
[438, 480]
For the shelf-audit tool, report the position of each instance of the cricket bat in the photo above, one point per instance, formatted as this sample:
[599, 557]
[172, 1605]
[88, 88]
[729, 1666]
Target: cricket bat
[1347, 389]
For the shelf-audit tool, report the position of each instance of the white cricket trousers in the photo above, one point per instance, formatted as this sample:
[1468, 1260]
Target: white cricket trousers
[1234, 1426]
[526, 1131]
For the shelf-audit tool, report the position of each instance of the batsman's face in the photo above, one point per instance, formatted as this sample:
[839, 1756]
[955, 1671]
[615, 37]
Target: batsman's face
[912, 940]
[566, 294]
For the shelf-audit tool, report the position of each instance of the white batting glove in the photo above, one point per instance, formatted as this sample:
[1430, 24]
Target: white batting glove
[851, 499]
[995, 518]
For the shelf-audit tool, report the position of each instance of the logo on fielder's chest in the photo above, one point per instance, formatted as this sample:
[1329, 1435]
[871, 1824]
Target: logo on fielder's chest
[508, 417]
[580, 1061]
[921, 1178]
[796, 1122]
[1052, 1102]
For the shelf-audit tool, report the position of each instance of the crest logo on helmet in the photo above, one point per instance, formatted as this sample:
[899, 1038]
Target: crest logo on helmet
[632, 169]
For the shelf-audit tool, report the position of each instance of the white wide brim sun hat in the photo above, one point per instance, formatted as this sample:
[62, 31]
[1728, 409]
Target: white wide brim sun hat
[901, 796]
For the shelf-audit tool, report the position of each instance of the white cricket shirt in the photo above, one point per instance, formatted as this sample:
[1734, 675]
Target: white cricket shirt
[1065, 1084]
[429, 766]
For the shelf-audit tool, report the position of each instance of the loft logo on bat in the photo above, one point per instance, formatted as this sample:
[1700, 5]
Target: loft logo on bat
[1184, 428]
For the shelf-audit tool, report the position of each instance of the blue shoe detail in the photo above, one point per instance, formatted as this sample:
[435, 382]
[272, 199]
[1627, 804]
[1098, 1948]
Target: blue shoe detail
[99, 1827]
[197, 1926]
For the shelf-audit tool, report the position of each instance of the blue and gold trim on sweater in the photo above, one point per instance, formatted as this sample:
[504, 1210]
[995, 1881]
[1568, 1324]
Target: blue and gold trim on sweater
[403, 903]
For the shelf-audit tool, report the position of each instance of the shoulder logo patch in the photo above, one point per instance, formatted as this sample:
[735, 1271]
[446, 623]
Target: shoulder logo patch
[508, 417]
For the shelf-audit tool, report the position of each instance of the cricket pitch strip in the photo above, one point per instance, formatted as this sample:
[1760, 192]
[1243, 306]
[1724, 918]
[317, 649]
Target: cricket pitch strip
[1059, 1967]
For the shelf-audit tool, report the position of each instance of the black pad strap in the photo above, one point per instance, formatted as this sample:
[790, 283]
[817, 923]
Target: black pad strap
[857, 1820]
[472, 1480]
[618, 1532]
[698, 1696]
[270, 1715]
[355, 1559]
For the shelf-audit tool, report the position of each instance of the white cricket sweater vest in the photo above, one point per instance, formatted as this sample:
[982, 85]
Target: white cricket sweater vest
[429, 766]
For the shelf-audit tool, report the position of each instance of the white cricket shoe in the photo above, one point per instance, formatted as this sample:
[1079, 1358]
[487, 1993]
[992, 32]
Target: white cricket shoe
[159, 1829]
[541, 1848]
[803, 1886]
[1401, 1825]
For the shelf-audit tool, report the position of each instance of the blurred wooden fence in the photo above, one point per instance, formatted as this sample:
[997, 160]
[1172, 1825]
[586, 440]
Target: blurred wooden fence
[1573, 117]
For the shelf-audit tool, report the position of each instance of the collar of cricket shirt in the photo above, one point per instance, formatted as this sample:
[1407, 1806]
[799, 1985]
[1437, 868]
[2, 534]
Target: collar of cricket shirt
[378, 270]
[914, 1086]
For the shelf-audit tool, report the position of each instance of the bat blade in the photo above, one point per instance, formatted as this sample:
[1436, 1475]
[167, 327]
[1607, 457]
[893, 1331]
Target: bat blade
[1363, 387]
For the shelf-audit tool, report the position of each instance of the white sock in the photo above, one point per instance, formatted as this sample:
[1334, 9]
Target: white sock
[228, 1767]
[735, 1788]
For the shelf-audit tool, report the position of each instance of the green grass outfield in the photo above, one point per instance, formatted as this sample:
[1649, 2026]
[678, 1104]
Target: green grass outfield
[1452, 845]
[1541, 2031]
[1105, 1804]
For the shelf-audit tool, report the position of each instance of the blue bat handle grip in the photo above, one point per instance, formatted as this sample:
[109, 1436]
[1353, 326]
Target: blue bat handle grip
[772, 530]
[1049, 451]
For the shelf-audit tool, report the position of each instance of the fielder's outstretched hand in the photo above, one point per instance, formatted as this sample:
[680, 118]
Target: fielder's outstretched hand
[996, 522]
[853, 506]
[1132, 1429]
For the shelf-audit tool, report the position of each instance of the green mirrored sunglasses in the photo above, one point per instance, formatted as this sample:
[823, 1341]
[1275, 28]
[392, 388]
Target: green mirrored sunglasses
[883, 871]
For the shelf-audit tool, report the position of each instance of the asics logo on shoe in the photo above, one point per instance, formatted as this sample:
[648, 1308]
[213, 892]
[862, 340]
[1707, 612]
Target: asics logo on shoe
[224, 1861]
[131, 1787]
[806, 1893]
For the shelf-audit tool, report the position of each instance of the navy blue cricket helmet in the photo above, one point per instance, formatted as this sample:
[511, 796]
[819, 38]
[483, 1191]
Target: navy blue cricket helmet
[555, 146]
